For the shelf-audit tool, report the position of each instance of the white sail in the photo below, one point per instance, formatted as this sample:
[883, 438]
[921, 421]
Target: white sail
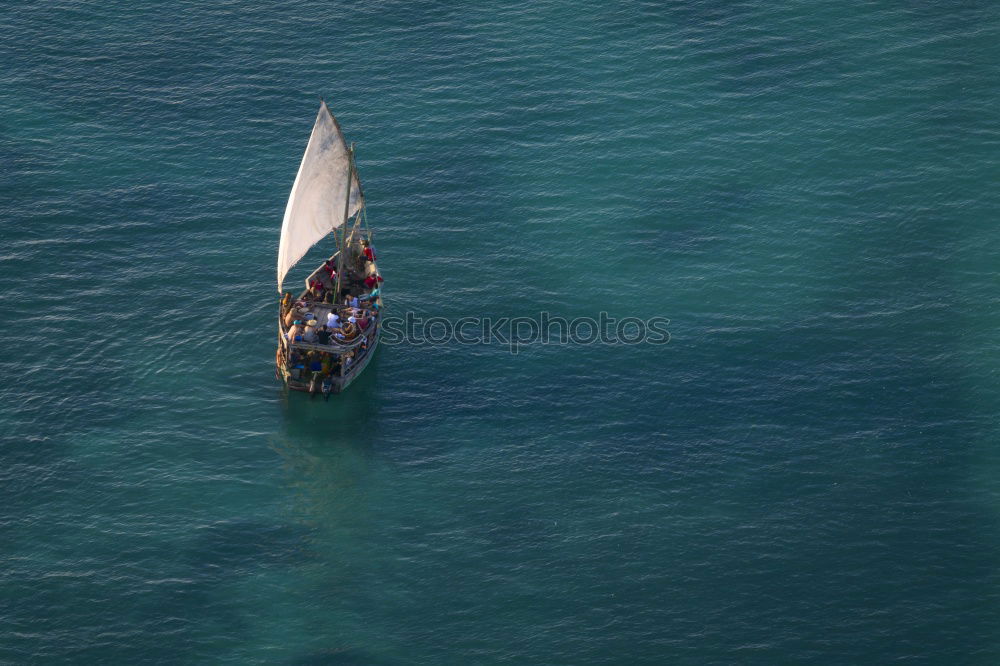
[316, 205]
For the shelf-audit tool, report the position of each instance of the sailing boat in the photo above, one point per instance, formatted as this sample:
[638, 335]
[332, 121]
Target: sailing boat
[329, 332]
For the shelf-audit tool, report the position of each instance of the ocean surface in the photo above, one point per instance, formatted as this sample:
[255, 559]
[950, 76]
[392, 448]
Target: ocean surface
[807, 472]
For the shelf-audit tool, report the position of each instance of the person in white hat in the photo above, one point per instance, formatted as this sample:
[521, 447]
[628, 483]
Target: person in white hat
[309, 334]
[350, 329]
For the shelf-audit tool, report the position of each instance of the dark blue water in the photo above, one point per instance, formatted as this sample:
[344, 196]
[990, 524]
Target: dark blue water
[806, 473]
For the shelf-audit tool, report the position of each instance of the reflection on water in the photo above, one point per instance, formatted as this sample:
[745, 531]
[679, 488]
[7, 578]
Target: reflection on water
[328, 450]
[336, 483]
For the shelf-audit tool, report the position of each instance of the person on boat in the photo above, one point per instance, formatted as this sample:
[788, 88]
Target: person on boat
[295, 312]
[323, 335]
[294, 330]
[372, 296]
[332, 320]
[362, 321]
[309, 332]
[350, 329]
[315, 364]
[369, 251]
[351, 301]
[317, 288]
[372, 280]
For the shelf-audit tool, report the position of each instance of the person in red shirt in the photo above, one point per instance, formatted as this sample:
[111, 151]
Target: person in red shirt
[369, 251]
[373, 279]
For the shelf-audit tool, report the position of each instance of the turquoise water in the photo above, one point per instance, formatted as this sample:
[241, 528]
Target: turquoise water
[806, 473]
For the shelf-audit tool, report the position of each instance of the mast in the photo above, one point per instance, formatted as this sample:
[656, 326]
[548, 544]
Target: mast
[357, 223]
[347, 209]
